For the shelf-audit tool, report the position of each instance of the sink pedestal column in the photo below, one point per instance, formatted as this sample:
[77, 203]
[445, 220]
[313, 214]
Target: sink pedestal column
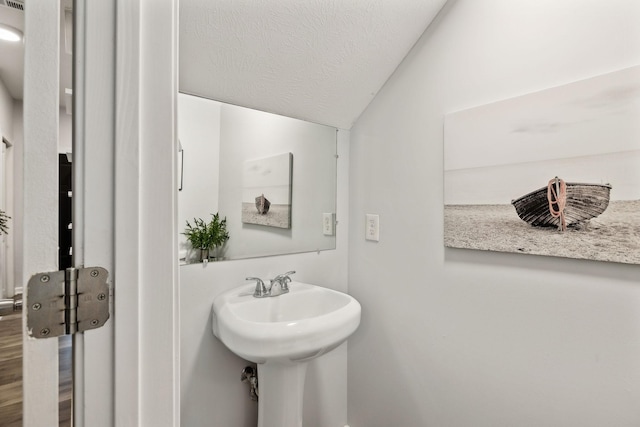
[281, 388]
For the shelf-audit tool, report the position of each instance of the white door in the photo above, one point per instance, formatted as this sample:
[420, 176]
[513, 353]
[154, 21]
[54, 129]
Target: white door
[3, 239]
[40, 357]
[125, 216]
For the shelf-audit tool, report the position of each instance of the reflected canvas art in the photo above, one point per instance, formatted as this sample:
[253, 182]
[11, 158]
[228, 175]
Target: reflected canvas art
[555, 172]
[266, 193]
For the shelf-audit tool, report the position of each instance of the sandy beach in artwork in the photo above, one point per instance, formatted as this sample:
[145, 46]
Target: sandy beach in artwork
[278, 215]
[613, 236]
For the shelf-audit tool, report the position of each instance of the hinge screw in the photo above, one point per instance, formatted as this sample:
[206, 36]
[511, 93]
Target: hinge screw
[44, 279]
[37, 306]
[94, 273]
[102, 297]
[45, 332]
[94, 322]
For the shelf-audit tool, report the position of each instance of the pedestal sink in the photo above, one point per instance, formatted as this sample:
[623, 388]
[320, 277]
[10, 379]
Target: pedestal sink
[281, 334]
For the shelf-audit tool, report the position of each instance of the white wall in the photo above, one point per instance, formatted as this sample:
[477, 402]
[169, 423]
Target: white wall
[467, 338]
[211, 391]
[6, 112]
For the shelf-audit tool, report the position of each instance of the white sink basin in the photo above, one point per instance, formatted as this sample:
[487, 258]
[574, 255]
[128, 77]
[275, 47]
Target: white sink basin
[297, 326]
[281, 334]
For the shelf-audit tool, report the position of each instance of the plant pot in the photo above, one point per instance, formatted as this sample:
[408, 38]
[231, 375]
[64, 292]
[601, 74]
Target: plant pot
[204, 255]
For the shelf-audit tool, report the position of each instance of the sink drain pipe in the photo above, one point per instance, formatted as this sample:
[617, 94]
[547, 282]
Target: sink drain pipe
[249, 375]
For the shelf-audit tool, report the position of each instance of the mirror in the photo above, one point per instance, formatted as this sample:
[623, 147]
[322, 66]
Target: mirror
[272, 177]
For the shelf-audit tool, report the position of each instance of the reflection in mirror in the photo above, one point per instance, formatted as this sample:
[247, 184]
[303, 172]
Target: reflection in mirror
[281, 171]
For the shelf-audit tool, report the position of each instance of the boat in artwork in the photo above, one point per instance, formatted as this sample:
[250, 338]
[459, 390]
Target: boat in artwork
[262, 204]
[563, 204]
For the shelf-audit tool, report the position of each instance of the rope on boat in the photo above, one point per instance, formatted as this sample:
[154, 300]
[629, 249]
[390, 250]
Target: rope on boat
[557, 195]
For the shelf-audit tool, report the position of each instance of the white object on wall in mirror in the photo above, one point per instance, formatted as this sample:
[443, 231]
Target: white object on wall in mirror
[328, 224]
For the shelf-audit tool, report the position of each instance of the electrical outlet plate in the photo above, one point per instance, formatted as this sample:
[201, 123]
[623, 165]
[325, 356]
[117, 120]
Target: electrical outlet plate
[372, 227]
[328, 224]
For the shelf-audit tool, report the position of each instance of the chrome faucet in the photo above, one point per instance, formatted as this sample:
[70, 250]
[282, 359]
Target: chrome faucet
[261, 290]
[282, 280]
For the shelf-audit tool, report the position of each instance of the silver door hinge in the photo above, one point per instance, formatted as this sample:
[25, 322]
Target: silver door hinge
[67, 301]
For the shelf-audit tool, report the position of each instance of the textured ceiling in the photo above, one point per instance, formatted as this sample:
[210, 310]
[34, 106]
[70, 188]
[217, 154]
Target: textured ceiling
[318, 60]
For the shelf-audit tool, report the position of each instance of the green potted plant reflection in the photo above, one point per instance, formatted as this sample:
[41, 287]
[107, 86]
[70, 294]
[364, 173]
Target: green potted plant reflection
[207, 235]
[4, 229]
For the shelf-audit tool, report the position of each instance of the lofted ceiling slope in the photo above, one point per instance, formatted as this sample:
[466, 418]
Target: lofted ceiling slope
[317, 60]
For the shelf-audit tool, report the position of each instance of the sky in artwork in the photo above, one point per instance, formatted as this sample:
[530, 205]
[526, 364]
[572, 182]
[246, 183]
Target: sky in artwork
[586, 131]
[270, 176]
[590, 117]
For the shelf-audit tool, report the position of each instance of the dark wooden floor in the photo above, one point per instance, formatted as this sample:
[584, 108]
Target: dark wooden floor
[11, 373]
[11, 370]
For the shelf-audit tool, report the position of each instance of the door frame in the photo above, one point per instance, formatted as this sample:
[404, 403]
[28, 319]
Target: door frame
[5, 292]
[125, 153]
[147, 327]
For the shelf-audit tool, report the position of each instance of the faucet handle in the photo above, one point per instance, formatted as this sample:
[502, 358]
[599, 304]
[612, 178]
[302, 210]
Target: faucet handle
[261, 289]
[284, 279]
[285, 275]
